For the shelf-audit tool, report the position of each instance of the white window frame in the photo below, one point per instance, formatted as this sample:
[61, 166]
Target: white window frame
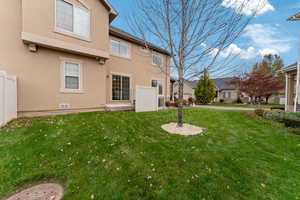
[162, 84]
[72, 33]
[227, 95]
[119, 43]
[161, 56]
[159, 96]
[63, 76]
[111, 86]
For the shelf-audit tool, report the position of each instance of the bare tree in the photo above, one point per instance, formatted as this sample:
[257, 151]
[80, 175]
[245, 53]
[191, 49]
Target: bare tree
[197, 33]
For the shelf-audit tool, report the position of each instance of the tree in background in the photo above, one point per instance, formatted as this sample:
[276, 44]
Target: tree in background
[258, 85]
[195, 32]
[271, 64]
[205, 91]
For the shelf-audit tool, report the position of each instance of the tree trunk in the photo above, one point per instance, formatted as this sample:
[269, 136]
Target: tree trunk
[267, 100]
[180, 103]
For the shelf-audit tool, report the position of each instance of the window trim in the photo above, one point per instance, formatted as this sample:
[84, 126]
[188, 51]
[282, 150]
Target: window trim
[69, 33]
[158, 54]
[162, 84]
[227, 95]
[159, 96]
[111, 86]
[119, 55]
[63, 88]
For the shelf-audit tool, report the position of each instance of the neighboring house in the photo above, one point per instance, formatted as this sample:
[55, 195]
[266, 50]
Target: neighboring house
[291, 74]
[67, 57]
[226, 92]
[188, 89]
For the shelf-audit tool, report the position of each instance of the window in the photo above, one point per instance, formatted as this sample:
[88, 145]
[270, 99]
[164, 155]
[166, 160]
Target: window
[158, 84]
[227, 95]
[120, 88]
[72, 73]
[157, 59]
[72, 18]
[120, 48]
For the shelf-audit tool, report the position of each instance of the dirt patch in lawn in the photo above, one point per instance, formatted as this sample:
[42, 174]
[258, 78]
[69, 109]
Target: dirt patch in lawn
[46, 191]
[186, 129]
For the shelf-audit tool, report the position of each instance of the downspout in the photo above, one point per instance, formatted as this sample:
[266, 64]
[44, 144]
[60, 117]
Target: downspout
[286, 91]
[297, 86]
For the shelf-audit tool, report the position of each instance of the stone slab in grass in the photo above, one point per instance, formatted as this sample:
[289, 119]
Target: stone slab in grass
[49, 191]
[186, 129]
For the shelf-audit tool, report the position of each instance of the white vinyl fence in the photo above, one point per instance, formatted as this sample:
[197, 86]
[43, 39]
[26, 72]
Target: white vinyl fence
[146, 99]
[8, 98]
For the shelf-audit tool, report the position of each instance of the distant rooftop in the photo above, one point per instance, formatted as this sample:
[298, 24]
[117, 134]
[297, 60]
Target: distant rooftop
[295, 17]
[220, 83]
[223, 83]
[290, 67]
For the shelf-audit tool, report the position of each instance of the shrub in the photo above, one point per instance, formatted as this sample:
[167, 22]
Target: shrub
[185, 102]
[171, 104]
[288, 119]
[221, 100]
[191, 100]
[205, 91]
[259, 112]
[239, 100]
[168, 103]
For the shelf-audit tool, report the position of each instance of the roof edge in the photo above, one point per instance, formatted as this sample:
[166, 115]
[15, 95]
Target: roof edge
[114, 31]
[295, 17]
[113, 13]
[290, 67]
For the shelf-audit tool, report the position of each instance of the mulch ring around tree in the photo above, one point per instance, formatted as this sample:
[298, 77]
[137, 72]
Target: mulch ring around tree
[186, 129]
[45, 191]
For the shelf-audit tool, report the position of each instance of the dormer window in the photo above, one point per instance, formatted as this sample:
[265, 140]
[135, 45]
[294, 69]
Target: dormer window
[72, 19]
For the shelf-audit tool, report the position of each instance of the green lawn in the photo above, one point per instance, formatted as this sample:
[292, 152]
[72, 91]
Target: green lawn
[126, 156]
[264, 106]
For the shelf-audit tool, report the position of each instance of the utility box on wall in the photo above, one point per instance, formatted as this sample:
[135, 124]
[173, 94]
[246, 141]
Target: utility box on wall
[8, 98]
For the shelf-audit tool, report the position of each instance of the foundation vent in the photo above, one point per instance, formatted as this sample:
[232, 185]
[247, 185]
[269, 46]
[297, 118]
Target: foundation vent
[64, 106]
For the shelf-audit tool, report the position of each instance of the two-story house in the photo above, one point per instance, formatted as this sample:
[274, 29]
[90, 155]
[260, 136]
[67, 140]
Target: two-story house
[67, 57]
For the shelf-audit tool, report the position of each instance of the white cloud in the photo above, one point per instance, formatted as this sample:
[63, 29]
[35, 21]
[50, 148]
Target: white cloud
[267, 51]
[262, 39]
[249, 7]
[235, 50]
[268, 39]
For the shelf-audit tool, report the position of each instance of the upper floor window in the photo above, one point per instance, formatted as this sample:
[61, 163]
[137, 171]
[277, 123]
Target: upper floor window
[72, 18]
[157, 59]
[120, 48]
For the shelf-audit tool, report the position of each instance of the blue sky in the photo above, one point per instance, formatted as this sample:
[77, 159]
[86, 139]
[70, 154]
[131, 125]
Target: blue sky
[269, 31]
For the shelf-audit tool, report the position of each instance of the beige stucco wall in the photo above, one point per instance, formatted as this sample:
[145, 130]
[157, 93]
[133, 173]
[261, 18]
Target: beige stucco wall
[38, 18]
[38, 73]
[140, 69]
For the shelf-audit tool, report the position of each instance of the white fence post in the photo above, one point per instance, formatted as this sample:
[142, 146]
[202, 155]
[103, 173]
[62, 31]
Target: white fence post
[8, 98]
[2, 99]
